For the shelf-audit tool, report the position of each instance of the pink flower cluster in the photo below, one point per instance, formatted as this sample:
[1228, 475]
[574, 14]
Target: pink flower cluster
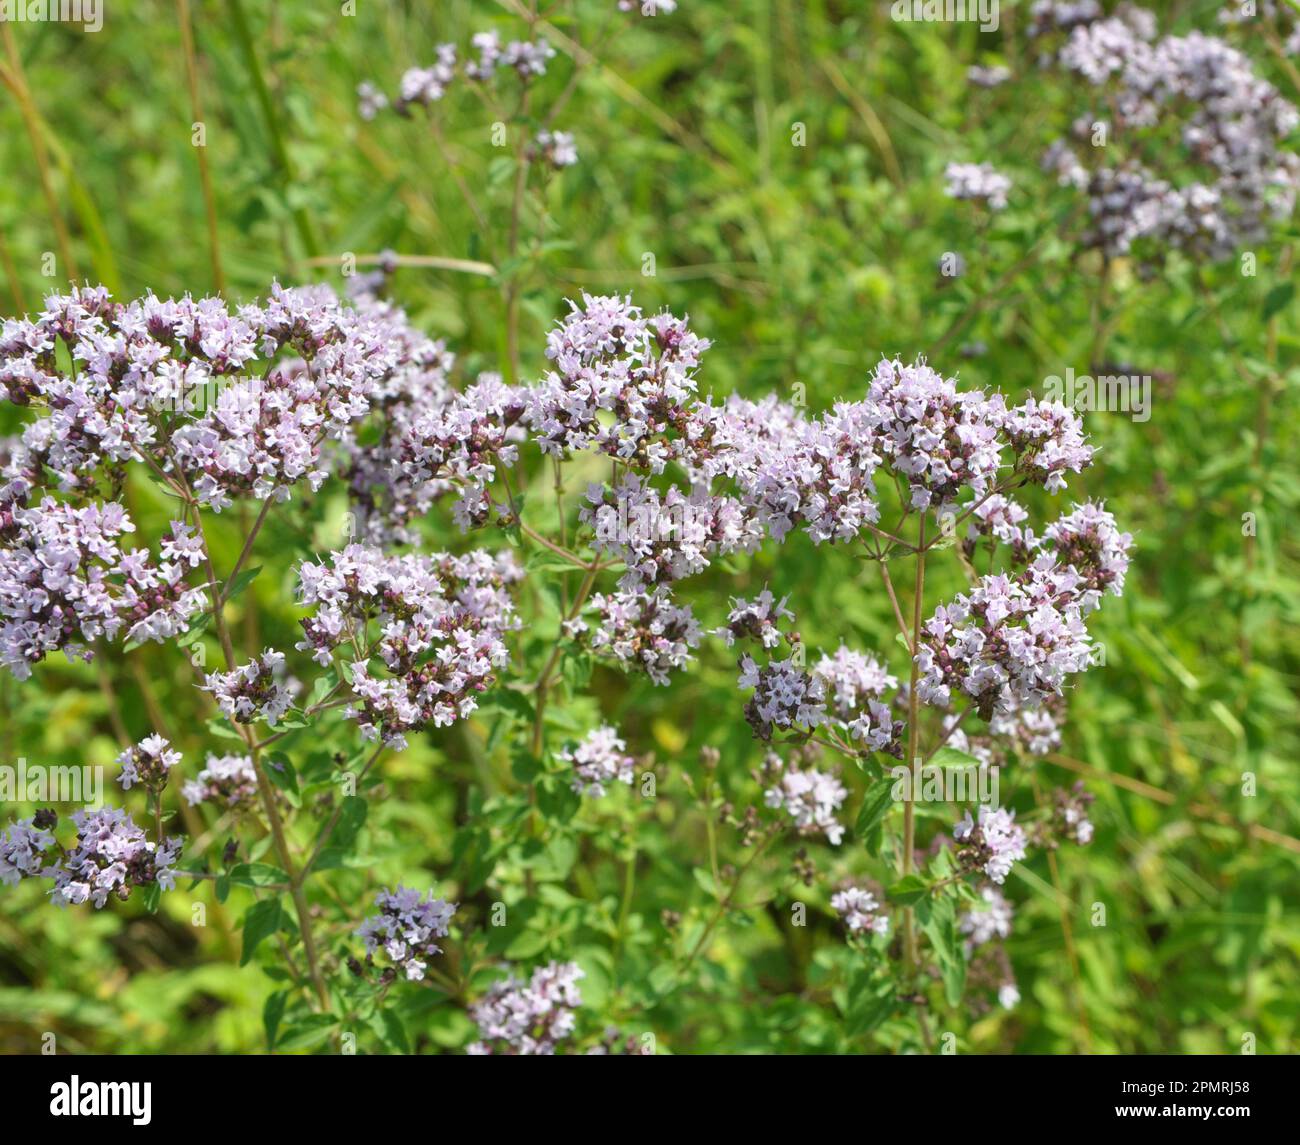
[254, 691]
[1228, 175]
[148, 763]
[528, 1018]
[600, 759]
[810, 798]
[65, 583]
[1009, 643]
[643, 631]
[437, 625]
[227, 404]
[855, 685]
[110, 857]
[977, 182]
[609, 359]
[991, 844]
[405, 927]
[860, 911]
[228, 781]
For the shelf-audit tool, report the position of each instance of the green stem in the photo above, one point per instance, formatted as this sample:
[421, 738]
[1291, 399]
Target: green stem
[279, 152]
[913, 745]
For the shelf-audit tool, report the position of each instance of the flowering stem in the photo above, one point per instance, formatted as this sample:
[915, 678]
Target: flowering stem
[512, 250]
[544, 680]
[913, 743]
[431, 261]
[1067, 933]
[629, 885]
[453, 168]
[295, 880]
[11, 273]
[246, 550]
[724, 904]
[898, 612]
[263, 784]
[334, 819]
[559, 551]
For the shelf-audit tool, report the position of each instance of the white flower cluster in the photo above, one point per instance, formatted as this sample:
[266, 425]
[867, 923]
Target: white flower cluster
[405, 927]
[252, 691]
[860, 911]
[600, 759]
[811, 798]
[529, 1018]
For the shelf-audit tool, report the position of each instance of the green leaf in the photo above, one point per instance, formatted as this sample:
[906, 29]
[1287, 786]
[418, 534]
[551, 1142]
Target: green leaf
[869, 1007]
[257, 875]
[938, 918]
[272, 1012]
[528, 944]
[152, 896]
[875, 806]
[220, 726]
[705, 880]
[951, 757]
[508, 700]
[281, 772]
[241, 582]
[260, 922]
[308, 1031]
[388, 1026]
[322, 687]
[1278, 299]
[908, 889]
[352, 818]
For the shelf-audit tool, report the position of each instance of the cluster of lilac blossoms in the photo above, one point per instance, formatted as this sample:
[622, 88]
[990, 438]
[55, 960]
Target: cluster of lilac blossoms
[644, 631]
[110, 857]
[860, 911]
[22, 849]
[1229, 175]
[404, 927]
[992, 920]
[220, 404]
[529, 1018]
[991, 843]
[226, 403]
[985, 928]
[809, 796]
[148, 763]
[855, 686]
[489, 56]
[65, 583]
[845, 691]
[253, 691]
[1010, 644]
[229, 782]
[436, 624]
[600, 759]
[977, 182]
